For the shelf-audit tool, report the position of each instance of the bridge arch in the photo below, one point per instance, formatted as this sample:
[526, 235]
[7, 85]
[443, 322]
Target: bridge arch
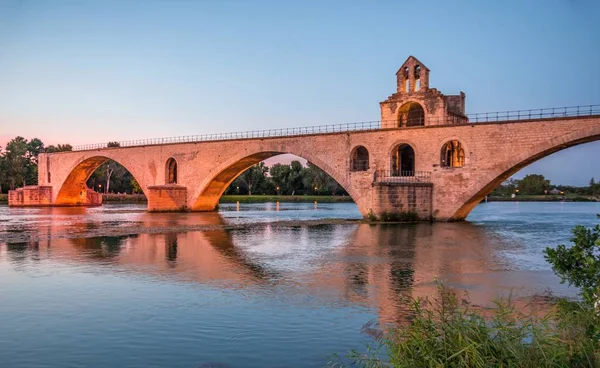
[487, 183]
[73, 190]
[206, 196]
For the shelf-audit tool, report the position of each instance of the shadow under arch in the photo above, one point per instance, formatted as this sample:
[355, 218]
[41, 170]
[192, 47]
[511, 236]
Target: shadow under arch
[73, 191]
[210, 191]
[489, 182]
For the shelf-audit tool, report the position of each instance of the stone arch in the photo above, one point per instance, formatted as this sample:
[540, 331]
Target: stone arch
[73, 190]
[171, 171]
[486, 184]
[411, 113]
[206, 196]
[452, 154]
[359, 159]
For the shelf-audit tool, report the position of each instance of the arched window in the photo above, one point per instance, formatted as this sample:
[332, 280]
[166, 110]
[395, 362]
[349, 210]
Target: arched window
[359, 159]
[403, 160]
[453, 155]
[171, 171]
[411, 114]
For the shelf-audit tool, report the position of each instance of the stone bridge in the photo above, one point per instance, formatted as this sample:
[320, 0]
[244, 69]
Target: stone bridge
[425, 156]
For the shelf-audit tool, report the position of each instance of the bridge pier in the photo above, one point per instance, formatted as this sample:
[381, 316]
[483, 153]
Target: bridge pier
[41, 196]
[395, 200]
[167, 198]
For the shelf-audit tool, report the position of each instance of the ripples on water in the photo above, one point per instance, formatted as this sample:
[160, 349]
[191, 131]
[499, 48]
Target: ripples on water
[265, 294]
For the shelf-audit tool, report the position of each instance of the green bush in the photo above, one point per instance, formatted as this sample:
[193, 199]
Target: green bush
[579, 264]
[446, 332]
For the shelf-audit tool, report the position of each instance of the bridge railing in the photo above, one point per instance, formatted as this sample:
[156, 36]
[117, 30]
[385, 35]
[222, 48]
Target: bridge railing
[532, 114]
[398, 176]
[555, 112]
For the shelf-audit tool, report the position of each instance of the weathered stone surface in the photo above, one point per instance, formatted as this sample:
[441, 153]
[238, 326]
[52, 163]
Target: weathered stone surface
[169, 197]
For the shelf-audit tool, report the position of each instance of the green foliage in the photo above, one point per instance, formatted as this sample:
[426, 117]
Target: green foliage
[448, 332]
[18, 163]
[59, 148]
[533, 184]
[280, 179]
[579, 264]
[120, 179]
[135, 186]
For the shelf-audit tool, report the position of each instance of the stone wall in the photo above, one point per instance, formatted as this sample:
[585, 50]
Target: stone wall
[30, 196]
[163, 198]
[402, 198]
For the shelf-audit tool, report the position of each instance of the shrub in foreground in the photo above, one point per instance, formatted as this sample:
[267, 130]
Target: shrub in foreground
[446, 332]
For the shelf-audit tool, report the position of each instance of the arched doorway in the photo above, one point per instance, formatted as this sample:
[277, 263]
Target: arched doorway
[171, 174]
[411, 114]
[403, 160]
[359, 159]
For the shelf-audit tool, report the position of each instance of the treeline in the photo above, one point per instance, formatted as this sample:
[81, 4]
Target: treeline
[536, 184]
[19, 167]
[280, 179]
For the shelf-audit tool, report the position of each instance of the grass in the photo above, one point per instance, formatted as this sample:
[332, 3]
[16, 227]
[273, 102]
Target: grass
[3, 198]
[449, 332]
[283, 198]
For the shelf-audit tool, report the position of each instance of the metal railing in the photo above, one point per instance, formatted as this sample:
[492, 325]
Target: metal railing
[547, 113]
[396, 176]
[451, 119]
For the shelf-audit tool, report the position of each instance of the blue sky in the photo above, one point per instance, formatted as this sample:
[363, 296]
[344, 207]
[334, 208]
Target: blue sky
[94, 71]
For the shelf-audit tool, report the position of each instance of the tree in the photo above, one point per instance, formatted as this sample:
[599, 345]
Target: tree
[17, 161]
[319, 182]
[135, 186]
[279, 175]
[113, 144]
[254, 176]
[59, 148]
[579, 264]
[533, 184]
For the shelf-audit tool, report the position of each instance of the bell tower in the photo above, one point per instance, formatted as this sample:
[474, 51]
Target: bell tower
[413, 76]
[416, 104]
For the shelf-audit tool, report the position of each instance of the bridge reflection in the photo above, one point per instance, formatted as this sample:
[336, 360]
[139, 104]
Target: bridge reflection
[375, 266]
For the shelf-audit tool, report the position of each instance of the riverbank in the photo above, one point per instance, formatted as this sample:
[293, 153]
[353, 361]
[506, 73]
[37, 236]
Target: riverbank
[544, 198]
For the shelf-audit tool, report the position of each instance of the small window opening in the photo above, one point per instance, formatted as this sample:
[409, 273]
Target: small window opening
[171, 171]
[453, 155]
[49, 178]
[406, 79]
[360, 159]
[417, 78]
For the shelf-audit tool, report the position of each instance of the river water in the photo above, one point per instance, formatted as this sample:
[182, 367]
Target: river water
[262, 285]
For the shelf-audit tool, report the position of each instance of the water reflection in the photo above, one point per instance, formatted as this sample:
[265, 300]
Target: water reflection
[377, 266]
